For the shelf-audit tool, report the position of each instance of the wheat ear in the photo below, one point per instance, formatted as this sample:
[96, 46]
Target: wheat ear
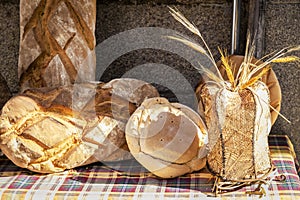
[193, 45]
[286, 59]
[255, 78]
[186, 23]
[225, 64]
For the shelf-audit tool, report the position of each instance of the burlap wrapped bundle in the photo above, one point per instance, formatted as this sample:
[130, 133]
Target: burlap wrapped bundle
[239, 123]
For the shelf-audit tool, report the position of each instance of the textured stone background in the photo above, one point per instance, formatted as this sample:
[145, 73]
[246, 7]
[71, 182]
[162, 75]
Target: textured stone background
[213, 17]
[282, 20]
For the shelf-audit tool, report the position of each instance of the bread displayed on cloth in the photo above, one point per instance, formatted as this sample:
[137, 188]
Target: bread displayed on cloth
[239, 123]
[52, 129]
[168, 139]
[57, 42]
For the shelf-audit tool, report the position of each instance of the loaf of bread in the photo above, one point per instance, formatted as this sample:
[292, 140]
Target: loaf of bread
[168, 139]
[57, 42]
[239, 122]
[52, 129]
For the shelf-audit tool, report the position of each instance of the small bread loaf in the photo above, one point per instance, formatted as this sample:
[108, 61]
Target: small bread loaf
[168, 139]
[52, 129]
[57, 42]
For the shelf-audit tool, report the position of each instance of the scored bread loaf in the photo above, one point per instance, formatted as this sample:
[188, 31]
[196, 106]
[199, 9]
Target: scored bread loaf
[52, 129]
[57, 42]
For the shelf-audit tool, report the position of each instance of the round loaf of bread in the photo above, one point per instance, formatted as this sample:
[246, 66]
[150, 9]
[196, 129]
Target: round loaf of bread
[52, 129]
[168, 139]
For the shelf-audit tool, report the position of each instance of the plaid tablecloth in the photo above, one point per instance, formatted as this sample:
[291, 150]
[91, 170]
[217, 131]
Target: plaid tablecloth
[129, 180]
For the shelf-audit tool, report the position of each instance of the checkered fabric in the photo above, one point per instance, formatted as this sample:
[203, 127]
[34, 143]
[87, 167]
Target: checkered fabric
[129, 180]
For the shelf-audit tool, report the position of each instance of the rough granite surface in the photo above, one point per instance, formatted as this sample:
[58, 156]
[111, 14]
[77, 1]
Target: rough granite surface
[213, 18]
[9, 43]
[283, 29]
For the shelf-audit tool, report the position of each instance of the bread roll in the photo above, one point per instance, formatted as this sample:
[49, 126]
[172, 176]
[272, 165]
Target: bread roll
[52, 129]
[168, 139]
[57, 42]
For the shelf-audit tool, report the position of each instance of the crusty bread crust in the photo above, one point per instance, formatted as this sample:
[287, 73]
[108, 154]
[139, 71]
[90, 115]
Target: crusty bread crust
[57, 42]
[169, 139]
[52, 129]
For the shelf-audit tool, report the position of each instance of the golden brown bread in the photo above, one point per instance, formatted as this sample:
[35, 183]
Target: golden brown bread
[57, 42]
[169, 139]
[52, 129]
